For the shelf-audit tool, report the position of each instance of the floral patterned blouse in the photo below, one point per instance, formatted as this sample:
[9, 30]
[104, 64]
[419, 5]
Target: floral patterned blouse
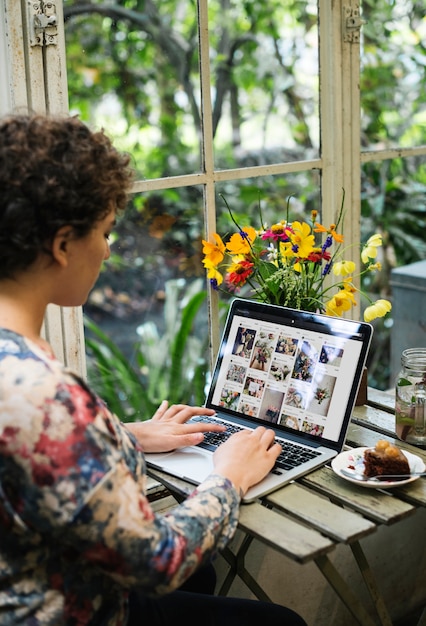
[76, 529]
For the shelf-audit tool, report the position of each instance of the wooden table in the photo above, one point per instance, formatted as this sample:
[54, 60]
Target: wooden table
[321, 511]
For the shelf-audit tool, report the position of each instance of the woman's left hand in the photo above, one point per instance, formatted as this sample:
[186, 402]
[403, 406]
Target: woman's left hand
[168, 430]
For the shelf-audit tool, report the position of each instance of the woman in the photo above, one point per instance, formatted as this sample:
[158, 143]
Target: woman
[79, 542]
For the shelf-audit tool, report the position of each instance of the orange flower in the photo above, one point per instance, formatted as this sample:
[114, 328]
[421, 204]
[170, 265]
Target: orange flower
[331, 230]
[214, 252]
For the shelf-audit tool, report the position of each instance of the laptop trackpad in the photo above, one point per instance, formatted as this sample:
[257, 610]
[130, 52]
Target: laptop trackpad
[192, 463]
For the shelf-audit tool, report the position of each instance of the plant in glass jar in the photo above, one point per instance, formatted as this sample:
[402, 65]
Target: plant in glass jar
[410, 397]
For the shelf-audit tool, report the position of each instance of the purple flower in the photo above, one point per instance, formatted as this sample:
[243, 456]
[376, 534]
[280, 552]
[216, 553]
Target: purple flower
[327, 243]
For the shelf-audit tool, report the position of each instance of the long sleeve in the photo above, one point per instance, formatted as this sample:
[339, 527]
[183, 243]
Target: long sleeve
[76, 529]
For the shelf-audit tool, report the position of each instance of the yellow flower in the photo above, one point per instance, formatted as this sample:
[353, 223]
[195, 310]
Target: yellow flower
[343, 268]
[285, 249]
[241, 243]
[212, 272]
[370, 248]
[214, 252]
[341, 302]
[375, 266]
[378, 309]
[349, 290]
[302, 238]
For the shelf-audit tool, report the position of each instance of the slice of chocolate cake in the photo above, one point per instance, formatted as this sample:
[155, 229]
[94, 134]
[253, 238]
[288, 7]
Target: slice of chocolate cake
[385, 458]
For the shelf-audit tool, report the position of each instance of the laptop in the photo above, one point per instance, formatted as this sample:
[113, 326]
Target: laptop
[293, 371]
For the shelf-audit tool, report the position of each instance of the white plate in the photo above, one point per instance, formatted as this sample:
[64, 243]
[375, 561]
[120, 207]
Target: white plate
[353, 461]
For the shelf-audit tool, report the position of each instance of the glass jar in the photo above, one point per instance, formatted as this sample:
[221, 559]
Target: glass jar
[410, 397]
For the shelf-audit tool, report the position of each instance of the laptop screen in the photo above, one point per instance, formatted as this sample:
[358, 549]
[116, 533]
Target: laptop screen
[296, 371]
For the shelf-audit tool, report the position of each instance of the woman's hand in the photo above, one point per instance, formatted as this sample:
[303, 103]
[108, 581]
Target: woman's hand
[168, 430]
[247, 457]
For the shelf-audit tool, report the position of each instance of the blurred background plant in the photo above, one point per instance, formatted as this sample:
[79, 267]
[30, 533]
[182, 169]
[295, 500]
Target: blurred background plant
[170, 365]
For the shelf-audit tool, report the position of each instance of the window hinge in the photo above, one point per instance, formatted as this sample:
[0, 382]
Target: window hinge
[351, 23]
[43, 22]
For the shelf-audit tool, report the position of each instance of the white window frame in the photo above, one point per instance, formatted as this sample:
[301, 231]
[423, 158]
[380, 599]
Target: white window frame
[34, 78]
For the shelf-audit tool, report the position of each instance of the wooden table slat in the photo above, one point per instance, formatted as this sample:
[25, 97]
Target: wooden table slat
[293, 539]
[328, 518]
[384, 400]
[414, 493]
[374, 419]
[375, 504]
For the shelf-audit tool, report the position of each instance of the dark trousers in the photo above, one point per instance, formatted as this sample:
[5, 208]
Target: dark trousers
[194, 605]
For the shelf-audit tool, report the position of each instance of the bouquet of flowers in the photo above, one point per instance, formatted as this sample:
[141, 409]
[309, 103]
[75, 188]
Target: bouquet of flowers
[321, 394]
[288, 263]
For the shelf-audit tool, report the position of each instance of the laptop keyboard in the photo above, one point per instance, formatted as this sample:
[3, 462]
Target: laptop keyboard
[292, 454]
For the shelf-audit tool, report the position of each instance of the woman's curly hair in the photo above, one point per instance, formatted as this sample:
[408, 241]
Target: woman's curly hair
[54, 172]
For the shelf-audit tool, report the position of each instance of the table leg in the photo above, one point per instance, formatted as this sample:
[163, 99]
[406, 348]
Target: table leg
[342, 589]
[371, 584]
[237, 568]
[353, 604]
[344, 592]
[422, 620]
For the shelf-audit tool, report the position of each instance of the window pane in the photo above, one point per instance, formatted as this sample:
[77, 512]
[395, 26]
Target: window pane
[393, 97]
[158, 239]
[154, 273]
[133, 68]
[393, 205]
[267, 199]
[135, 71]
[264, 66]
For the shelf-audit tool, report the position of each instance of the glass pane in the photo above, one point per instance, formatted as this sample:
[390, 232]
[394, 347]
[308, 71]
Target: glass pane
[393, 115]
[133, 69]
[393, 204]
[150, 301]
[157, 239]
[264, 69]
[265, 199]
[393, 97]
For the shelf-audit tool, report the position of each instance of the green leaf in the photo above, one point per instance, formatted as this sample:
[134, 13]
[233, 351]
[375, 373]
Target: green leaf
[403, 382]
[178, 348]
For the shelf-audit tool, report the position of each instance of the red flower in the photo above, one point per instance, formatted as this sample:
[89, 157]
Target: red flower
[318, 255]
[239, 273]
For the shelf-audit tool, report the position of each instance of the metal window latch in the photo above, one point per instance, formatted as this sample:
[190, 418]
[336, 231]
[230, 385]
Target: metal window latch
[43, 22]
[351, 23]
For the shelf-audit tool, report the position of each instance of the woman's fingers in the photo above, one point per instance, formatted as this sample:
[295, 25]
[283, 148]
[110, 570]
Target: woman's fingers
[246, 457]
[161, 410]
[179, 413]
